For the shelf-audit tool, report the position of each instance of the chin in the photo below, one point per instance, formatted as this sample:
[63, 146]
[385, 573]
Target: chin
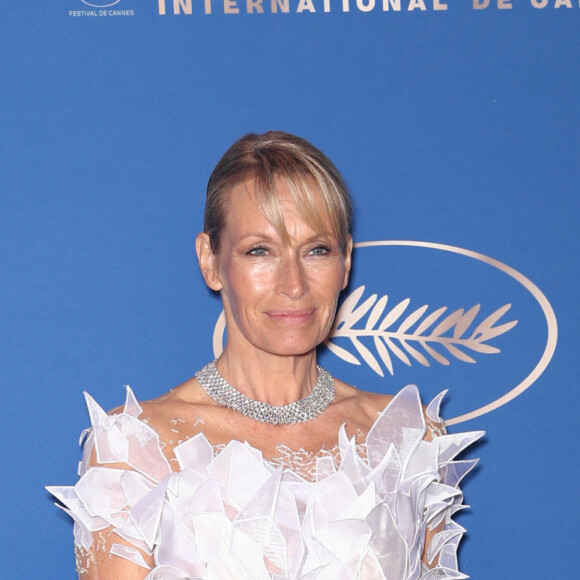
[291, 348]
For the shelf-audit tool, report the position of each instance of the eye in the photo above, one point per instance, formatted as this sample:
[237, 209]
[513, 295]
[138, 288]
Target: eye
[257, 251]
[321, 250]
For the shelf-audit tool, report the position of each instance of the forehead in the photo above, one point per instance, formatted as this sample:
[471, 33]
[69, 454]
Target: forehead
[277, 209]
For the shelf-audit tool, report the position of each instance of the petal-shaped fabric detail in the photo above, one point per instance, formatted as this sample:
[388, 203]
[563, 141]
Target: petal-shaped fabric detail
[256, 520]
[359, 514]
[132, 406]
[144, 448]
[90, 491]
[135, 486]
[387, 474]
[451, 445]
[82, 535]
[240, 470]
[212, 531]
[452, 473]
[195, 453]
[207, 499]
[432, 411]
[440, 539]
[348, 540]
[324, 467]
[401, 424]
[352, 465]
[175, 547]
[122, 438]
[87, 439]
[68, 496]
[146, 514]
[423, 461]
[130, 554]
[245, 560]
[325, 493]
[387, 543]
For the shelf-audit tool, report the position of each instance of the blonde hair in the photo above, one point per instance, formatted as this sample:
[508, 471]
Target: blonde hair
[313, 181]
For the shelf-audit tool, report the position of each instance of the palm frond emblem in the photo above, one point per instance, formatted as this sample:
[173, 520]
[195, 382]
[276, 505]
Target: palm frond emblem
[420, 335]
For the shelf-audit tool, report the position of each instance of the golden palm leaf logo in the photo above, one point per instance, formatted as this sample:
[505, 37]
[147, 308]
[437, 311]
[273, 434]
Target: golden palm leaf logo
[419, 335]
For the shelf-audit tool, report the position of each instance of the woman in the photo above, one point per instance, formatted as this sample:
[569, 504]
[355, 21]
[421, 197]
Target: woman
[263, 465]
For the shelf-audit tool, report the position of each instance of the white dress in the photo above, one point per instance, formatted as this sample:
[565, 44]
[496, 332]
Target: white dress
[226, 513]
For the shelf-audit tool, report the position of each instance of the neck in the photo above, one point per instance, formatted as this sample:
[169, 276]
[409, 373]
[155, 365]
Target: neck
[273, 379]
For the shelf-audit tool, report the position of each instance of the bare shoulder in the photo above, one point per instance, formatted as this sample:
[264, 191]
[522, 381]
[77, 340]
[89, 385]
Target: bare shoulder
[152, 408]
[175, 413]
[363, 405]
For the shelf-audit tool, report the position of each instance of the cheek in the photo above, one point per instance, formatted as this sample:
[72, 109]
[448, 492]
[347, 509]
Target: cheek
[334, 281]
[329, 286]
[243, 287]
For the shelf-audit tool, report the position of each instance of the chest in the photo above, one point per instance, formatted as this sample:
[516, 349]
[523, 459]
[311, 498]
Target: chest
[304, 449]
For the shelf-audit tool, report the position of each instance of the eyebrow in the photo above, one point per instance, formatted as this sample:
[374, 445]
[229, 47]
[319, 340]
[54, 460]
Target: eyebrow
[326, 236]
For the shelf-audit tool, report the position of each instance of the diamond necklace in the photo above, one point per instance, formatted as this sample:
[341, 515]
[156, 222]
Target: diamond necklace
[298, 412]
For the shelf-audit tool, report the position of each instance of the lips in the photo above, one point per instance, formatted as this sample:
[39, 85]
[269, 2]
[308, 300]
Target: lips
[292, 317]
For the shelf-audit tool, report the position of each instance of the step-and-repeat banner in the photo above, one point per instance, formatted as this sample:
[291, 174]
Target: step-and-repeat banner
[456, 125]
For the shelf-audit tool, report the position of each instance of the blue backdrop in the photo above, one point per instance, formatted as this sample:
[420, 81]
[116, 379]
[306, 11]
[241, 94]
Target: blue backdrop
[453, 122]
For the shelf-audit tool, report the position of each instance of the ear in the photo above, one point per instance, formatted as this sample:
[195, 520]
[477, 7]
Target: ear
[208, 262]
[347, 260]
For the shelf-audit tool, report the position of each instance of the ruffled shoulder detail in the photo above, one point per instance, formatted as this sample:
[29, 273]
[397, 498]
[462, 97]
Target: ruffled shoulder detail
[232, 514]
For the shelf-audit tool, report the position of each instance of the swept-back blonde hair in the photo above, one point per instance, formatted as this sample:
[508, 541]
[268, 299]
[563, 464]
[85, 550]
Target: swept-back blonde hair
[313, 181]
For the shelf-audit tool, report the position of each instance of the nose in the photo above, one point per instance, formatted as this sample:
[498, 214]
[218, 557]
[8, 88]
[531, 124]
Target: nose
[291, 278]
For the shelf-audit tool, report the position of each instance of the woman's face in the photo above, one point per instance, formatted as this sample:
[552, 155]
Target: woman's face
[279, 297]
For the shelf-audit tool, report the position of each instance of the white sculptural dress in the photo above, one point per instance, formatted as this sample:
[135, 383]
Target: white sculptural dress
[355, 512]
